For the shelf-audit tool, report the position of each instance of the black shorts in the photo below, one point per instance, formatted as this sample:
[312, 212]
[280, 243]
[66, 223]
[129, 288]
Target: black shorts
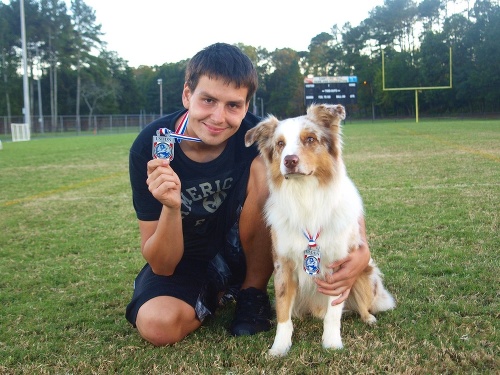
[198, 282]
[187, 284]
[194, 282]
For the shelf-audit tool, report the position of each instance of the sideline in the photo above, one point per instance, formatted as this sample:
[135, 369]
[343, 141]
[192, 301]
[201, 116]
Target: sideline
[62, 189]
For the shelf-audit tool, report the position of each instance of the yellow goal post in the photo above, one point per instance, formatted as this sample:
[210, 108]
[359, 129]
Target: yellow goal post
[416, 89]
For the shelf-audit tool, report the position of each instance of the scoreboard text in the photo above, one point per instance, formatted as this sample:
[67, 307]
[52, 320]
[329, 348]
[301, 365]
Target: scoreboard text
[331, 90]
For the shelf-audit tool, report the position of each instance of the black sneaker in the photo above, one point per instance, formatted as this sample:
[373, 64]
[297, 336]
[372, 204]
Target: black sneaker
[252, 314]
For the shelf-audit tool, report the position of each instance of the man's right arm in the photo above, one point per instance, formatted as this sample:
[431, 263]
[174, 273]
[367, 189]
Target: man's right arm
[162, 242]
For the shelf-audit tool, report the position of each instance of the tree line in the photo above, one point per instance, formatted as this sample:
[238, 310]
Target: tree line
[71, 71]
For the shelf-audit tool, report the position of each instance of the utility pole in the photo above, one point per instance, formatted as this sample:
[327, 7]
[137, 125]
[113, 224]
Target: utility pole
[38, 77]
[27, 114]
[160, 82]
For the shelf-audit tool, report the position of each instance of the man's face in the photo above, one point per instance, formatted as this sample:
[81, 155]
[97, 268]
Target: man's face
[216, 110]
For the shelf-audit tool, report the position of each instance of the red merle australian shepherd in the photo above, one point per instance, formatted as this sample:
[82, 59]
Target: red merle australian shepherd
[313, 211]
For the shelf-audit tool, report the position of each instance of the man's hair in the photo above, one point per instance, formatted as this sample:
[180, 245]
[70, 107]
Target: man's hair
[222, 61]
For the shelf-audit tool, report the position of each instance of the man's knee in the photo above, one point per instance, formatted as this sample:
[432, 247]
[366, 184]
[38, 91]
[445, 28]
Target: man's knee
[161, 326]
[156, 329]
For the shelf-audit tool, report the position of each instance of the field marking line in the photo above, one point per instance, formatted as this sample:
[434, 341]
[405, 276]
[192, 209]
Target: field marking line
[454, 145]
[430, 187]
[61, 189]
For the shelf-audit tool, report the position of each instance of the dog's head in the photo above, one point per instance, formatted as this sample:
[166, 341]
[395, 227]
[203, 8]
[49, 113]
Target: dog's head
[308, 145]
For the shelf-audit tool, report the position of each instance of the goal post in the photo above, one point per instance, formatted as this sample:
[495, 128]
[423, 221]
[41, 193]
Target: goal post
[20, 132]
[416, 89]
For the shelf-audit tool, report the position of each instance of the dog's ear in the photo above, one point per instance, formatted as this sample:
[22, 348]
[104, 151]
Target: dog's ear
[329, 117]
[251, 136]
[261, 132]
[327, 114]
[338, 111]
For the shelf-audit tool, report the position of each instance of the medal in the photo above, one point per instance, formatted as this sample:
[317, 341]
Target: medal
[163, 147]
[312, 255]
[311, 260]
[163, 141]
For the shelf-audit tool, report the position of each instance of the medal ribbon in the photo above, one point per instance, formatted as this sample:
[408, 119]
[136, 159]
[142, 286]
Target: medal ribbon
[311, 239]
[179, 132]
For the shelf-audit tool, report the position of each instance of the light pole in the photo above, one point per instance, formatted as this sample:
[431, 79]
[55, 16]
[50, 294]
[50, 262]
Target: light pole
[27, 114]
[261, 107]
[37, 75]
[369, 84]
[160, 82]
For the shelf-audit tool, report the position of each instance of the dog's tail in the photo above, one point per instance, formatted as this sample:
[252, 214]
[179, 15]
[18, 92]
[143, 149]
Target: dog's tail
[382, 299]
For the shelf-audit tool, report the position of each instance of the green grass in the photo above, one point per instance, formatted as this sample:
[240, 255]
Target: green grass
[69, 251]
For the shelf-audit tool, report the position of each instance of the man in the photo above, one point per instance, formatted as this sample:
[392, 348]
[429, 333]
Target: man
[199, 204]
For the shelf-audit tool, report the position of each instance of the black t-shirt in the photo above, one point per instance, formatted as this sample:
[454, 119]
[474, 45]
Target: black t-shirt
[206, 188]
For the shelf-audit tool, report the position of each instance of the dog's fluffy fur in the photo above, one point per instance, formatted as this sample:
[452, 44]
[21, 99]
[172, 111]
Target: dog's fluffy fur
[310, 191]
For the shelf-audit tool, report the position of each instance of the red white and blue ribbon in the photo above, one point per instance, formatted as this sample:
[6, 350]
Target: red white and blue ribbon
[181, 128]
[178, 135]
[311, 239]
[312, 255]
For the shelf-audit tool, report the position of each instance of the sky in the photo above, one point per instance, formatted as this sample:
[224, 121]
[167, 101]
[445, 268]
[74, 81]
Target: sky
[154, 32]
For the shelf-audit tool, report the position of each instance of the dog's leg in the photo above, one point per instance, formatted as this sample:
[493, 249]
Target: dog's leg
[285, 289]
[368, 295]
[331, 325]
[361, 296]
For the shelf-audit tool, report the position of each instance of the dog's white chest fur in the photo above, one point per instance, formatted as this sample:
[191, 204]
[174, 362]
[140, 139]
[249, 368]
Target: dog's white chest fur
[299, 207]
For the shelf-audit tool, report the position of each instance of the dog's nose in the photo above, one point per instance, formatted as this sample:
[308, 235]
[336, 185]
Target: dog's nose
[291, 161]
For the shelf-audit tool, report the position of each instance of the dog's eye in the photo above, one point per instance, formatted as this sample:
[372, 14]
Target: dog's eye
[310, 139]
[280, 144]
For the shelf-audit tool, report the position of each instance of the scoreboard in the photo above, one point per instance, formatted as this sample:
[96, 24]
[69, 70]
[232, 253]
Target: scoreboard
[331, 90]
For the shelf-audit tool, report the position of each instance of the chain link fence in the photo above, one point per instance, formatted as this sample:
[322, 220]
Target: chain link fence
[68, 125]
[47, 126]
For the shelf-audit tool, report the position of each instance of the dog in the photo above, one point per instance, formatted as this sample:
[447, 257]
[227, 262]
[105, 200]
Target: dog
[313, 212]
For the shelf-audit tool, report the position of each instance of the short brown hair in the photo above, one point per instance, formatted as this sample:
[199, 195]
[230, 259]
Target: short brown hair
[221, 60]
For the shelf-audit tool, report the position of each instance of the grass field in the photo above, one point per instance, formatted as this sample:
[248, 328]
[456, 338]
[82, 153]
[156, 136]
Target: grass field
[69, 251]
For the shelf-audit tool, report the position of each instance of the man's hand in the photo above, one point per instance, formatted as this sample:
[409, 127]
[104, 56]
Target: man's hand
[164, 183]
[346, 271]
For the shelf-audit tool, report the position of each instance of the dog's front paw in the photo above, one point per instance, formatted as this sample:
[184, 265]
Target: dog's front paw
[279, 350]
[282, 340]
[332, 341]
